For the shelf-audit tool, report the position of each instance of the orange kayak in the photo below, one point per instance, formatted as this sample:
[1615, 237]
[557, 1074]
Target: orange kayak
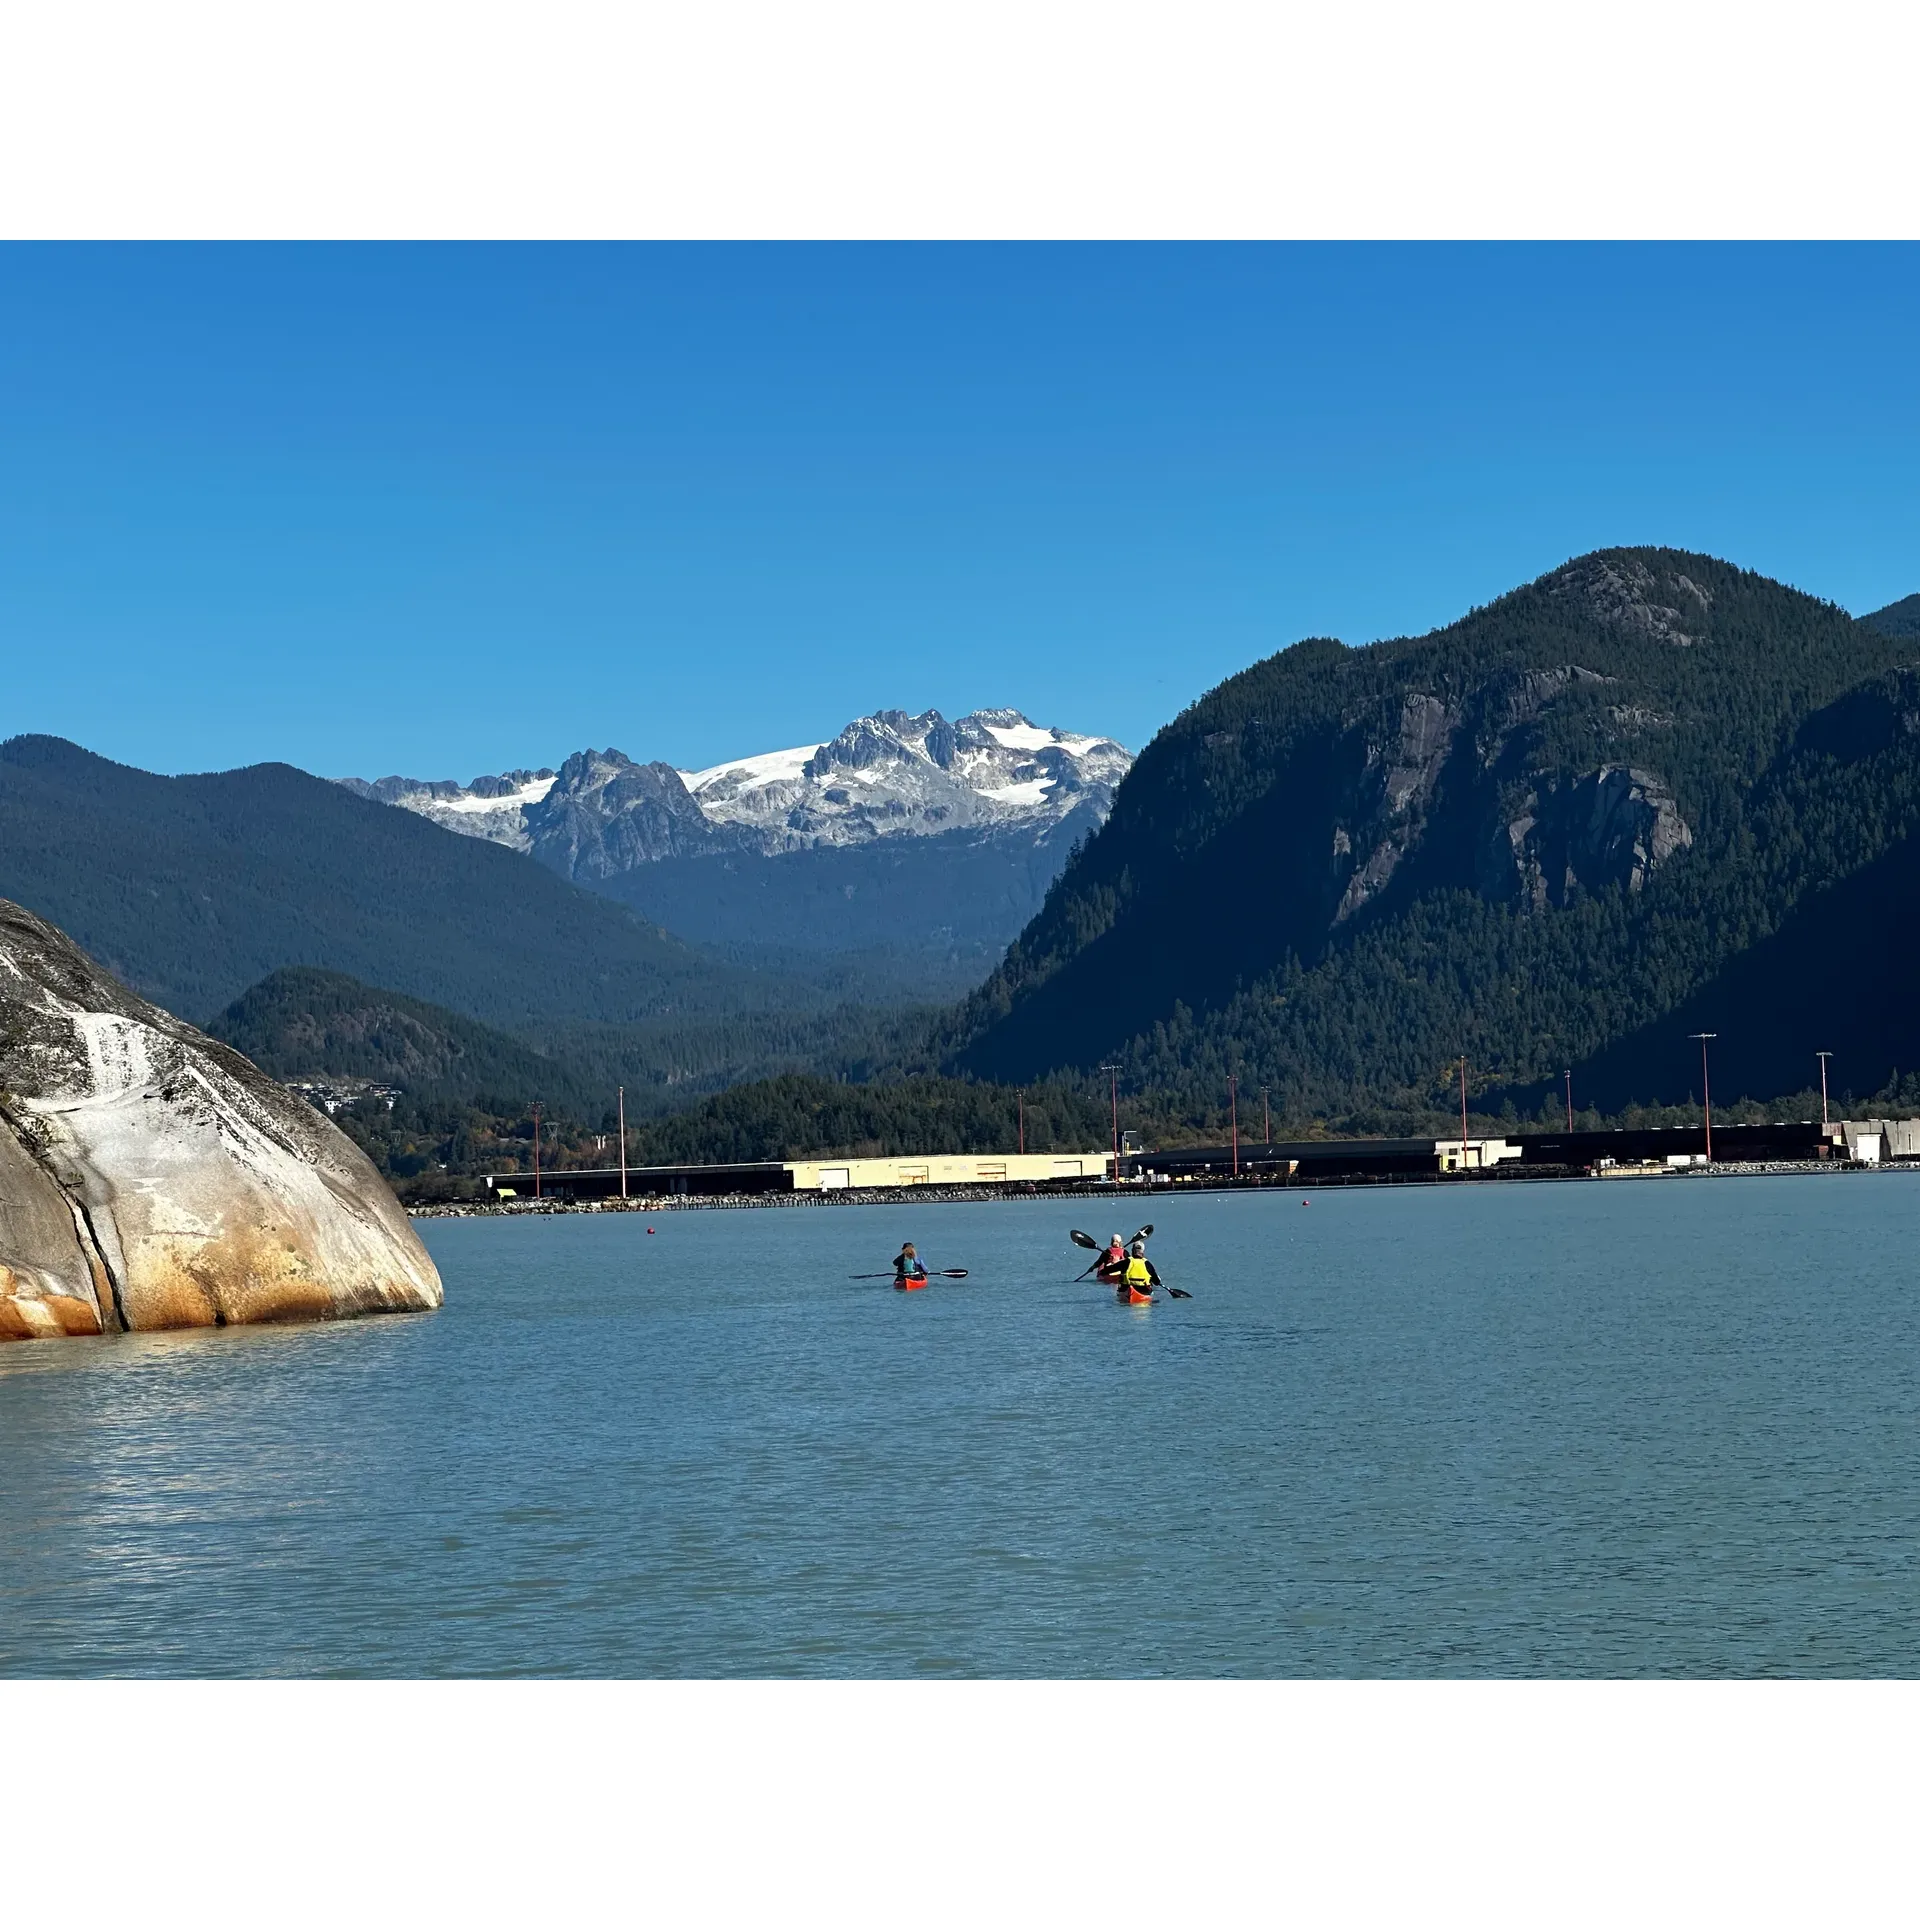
[908, 1286]
[1133, 1296]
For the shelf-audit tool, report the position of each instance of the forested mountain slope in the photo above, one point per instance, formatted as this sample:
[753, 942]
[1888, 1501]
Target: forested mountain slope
[1902, 619]
[192, 888]
[1528, 836]
[950, 900]
[453, 1099]
[307, 1023]
[1835, 912]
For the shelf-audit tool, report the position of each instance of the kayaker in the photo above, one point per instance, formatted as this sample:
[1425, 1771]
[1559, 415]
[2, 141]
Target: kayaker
[906, 1265]
[1139, 1272]
[1112, 1262]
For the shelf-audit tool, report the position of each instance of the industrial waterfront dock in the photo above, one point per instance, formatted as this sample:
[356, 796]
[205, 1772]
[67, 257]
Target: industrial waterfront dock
[1803, 1146]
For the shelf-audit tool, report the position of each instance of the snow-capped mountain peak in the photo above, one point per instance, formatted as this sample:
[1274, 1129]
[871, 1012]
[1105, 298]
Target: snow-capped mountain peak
[887, 773]
[895, 772]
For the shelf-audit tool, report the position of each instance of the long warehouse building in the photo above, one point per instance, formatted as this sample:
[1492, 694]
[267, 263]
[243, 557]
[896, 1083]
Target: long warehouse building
[842, 1173]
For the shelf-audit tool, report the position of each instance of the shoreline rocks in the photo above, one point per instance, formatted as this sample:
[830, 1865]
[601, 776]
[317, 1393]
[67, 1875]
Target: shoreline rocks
[151, 1178]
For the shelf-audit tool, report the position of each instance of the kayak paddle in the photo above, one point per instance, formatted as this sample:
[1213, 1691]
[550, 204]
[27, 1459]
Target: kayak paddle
[938, 1273]
[1092, 1245]
[1087, 1240]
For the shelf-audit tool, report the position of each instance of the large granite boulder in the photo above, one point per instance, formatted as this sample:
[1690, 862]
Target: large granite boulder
[151, 1178]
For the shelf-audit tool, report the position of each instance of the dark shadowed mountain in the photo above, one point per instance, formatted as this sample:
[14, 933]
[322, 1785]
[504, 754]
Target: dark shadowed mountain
[950, 902]
[1540, 836]
[192, 888]
[1901, 620]
[1833, 824]
[307, 1023]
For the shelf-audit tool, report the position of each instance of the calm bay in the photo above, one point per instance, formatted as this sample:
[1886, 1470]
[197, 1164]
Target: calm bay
[1665, 1427]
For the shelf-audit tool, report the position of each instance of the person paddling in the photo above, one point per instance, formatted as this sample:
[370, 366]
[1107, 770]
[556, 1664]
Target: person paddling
[1112, 1262]
[1139, 1273]
[907, 1268]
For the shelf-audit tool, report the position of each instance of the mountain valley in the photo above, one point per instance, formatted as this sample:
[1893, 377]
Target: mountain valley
[924, 843]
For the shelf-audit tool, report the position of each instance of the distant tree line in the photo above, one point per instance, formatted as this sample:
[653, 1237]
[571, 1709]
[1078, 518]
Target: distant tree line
[438, 1150]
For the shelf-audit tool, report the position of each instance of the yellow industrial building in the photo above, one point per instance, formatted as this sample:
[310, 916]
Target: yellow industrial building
[944, 1170]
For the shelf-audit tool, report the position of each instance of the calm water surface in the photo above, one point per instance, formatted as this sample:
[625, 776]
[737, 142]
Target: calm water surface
[1626, 1428]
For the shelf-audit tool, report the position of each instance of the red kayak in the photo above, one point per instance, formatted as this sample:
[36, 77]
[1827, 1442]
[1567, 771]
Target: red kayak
[1133, 1296]
[909, 1286]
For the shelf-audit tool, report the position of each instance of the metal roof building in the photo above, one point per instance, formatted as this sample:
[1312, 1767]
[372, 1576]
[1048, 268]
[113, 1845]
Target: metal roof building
[838, 1173]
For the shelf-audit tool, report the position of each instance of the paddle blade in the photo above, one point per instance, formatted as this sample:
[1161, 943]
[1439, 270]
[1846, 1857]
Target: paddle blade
[953, 1273]
[1180, 1293]
[1080, 1239]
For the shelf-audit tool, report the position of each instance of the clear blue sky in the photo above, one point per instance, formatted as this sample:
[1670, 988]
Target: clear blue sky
[446, 510]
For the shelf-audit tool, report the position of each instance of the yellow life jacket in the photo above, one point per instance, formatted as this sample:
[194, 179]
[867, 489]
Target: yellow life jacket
[1137, 1274]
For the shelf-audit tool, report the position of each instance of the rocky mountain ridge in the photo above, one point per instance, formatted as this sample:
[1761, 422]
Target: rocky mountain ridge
[493, 807]
[888, 773]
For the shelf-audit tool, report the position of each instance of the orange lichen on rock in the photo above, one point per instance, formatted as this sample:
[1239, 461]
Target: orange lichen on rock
[46, 1283]
[246, 1276]
[33, 1308]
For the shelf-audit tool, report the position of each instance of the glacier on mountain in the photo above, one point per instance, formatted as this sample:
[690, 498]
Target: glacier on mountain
[493, 807]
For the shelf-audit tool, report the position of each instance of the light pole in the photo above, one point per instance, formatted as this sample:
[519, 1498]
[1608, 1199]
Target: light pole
[536, 1149]
[1266, 1116]
[1569, 1080]
[1233, 1112]
[623, 1143]
[1824, 1058]
[1023, 1121]
[1113, 1086]
[1463, 1113]
[1706, 1091]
